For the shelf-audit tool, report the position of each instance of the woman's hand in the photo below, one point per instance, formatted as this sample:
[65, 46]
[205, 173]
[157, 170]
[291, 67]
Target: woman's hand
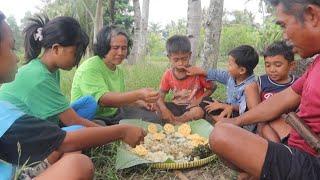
[145, 105]
[148, 95]
[150, 106]
[132, 135]
[168, 116]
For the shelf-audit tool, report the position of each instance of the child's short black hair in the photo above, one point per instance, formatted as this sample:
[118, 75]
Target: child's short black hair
[102, 46]
[279, 48]
[245, 56]
[178, 43]
[44, 33]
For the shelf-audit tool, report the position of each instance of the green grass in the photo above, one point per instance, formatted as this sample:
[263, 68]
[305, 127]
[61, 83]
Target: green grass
[148, 74]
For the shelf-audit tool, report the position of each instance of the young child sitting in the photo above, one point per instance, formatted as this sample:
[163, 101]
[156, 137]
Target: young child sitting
[242, 89]
[188, 91]
[278, 61]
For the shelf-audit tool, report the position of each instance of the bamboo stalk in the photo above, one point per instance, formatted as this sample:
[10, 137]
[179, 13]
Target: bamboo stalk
[303, 130]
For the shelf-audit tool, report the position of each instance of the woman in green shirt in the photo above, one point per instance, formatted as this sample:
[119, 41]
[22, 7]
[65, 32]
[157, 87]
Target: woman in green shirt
[36, 89]
[39, 139]
[101, 77]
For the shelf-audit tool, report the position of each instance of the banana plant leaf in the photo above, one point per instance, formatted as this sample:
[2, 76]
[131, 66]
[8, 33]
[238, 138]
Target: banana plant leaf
[126, 159]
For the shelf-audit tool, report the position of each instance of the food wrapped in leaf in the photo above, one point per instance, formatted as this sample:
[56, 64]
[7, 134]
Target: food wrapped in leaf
[166, 145]
[184, 129]
[140, 150]
[152, 128]
[168, 128]
[176, 145]
[158, 136]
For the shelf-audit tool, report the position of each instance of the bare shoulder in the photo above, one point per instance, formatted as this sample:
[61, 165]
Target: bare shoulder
[252, 88]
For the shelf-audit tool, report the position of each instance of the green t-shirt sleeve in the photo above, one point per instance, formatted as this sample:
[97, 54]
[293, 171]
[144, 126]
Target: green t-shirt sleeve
[46, 99]
[122, 81]
[93, 84]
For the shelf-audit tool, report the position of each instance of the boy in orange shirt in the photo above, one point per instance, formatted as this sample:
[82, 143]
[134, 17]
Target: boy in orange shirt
[188, 91]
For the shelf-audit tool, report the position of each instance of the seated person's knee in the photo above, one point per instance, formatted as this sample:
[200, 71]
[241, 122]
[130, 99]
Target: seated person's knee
[219, 135]
[85, 165]
[197, 112]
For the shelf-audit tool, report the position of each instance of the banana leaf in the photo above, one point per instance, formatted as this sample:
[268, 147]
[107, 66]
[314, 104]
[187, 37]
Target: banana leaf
[126, 159]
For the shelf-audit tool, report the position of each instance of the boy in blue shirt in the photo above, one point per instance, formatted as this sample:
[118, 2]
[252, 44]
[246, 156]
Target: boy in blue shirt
[242, 89]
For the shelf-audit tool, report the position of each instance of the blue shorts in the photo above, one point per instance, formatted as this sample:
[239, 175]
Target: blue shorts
[7, 171]
[85, 107]
[72, 128]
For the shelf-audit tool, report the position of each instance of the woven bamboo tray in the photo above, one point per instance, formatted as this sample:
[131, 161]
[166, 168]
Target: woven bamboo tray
[184, 165]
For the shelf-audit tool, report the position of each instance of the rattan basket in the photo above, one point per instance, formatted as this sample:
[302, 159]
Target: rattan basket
[185, 165]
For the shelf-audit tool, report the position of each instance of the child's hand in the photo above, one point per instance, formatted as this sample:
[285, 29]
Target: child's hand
[132, 135]
[213, 106]
[227, 112]
[194, 103]
[193, 70]
[149, 95]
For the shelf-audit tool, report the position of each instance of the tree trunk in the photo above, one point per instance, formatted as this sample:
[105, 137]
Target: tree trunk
[98, 22]
[142, 51]
[301, 66]
[193, 27]
[112, 11]
[133, 58]
[213, 26]
[92, 32]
